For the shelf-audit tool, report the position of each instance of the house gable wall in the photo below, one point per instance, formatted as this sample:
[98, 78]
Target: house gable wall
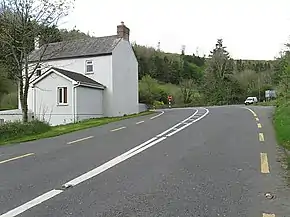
[44, 100]
[125, 80]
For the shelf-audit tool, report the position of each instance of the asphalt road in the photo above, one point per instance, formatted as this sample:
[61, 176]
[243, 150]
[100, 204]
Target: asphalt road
[219, 161]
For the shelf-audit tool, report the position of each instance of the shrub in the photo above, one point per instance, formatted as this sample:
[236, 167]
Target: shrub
[14, 130]
[158, 104]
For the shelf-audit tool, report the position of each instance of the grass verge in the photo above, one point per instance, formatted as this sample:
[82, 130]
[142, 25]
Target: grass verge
[282, 128]
[282, 124]
[64, 129]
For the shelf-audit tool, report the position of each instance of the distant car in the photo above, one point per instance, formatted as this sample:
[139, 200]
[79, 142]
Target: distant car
[251, 100]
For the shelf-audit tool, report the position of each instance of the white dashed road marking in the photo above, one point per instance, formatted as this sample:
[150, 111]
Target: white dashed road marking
[80, 140]
[151, 142]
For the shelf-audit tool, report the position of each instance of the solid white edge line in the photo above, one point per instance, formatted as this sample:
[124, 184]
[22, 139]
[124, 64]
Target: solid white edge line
[32, 203]
[183, 127]
[48, 195]
[168, 130]
[162, 112]
[141, 145]
[80, 140]
[109, 164]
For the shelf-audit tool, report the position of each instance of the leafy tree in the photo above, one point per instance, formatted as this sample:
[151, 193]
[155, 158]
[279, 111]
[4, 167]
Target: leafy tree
[220, 64]
[21, 21]
[218, 75]
[284, 75]
[187, 90]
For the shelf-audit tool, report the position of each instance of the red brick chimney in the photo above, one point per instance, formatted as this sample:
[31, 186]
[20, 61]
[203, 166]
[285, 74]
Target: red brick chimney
[123, 31]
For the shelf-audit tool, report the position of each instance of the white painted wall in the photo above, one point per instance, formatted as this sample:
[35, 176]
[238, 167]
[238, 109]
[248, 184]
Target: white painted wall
[125, 80]
[14, 115]
[118, 72]
[102, 74]
[89, 103]
[45, 105]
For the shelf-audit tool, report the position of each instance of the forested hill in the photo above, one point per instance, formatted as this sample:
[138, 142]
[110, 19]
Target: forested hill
[171, 67]
[181, 75]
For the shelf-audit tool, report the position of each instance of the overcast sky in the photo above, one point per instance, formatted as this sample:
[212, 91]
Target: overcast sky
[251, 29]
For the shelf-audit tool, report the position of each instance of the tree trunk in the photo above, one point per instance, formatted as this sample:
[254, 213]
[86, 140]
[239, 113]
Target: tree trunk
[23, 99]
[25, 113]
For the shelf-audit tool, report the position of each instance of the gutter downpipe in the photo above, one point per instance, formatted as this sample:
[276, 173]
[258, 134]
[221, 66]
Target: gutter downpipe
[33, 101]
[74, 99]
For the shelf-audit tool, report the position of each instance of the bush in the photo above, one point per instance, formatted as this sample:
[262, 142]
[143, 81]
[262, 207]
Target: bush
[158, 104]
[14, 130]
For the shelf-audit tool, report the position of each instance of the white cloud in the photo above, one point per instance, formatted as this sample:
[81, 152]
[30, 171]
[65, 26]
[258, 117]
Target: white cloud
[250, 29]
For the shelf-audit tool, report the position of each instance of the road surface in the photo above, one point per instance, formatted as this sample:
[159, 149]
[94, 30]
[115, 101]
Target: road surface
[216, 161]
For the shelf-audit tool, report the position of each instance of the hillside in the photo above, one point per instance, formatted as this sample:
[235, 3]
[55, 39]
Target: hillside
[162, 74]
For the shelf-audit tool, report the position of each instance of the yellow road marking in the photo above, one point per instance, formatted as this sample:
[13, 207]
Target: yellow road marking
[118, 129]
[255, 115]
[268, 215]
[264, 163]
[261, 137]
[259, 125]
[16, 158]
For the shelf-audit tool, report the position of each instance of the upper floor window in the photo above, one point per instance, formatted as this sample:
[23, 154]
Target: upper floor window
[38, 71]
[89, 66]
[62, 96]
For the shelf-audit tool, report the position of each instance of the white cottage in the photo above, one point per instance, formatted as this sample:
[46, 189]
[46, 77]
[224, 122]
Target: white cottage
[84, 79]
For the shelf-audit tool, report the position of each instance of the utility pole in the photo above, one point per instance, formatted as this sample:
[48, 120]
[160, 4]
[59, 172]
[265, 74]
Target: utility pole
[158, 46]
[259, 87]
[181, 62]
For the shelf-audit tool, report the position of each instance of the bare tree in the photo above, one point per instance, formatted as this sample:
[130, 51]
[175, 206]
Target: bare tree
[21, 21]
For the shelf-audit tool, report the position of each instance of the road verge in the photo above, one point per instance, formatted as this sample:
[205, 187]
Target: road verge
[64, 129]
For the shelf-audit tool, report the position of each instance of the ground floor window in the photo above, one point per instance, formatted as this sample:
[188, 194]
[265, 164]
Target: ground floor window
[62, 95]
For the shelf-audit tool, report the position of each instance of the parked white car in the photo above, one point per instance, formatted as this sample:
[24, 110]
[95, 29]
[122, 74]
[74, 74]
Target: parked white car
[251, 100]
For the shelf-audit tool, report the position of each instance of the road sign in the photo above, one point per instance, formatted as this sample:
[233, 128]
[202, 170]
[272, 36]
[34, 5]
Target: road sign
[270, 94]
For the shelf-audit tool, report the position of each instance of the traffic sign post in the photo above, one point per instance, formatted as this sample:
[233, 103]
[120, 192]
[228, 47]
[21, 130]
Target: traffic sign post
[169, 101]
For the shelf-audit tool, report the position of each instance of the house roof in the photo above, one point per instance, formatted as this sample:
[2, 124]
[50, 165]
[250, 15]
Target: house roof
[78, 48]
[74, 76]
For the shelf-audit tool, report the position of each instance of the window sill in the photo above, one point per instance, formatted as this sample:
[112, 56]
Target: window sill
[62, 104]
[88, 73]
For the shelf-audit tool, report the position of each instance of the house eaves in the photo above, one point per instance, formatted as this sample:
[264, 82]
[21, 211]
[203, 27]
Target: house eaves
[83, 84]
[71, 76]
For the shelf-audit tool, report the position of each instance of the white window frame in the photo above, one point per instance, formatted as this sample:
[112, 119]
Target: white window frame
[63, 96]
[89, 63]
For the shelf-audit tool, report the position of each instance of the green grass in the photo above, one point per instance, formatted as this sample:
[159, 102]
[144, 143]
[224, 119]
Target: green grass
[282, 124]
[64, 129]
